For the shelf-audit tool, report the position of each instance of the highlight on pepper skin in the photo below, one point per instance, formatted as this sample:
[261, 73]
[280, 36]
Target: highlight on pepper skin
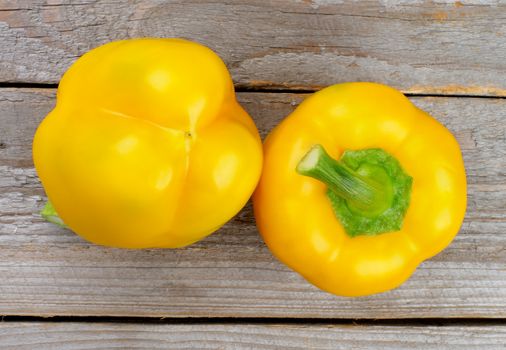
[147, 145]
[359, 186]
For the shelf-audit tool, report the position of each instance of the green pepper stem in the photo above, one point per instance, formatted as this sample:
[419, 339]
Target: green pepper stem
[49, 214]
[360, 192]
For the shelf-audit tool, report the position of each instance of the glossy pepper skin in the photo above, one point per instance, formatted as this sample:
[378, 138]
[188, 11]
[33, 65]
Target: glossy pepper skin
[293, 211]
[147, 145]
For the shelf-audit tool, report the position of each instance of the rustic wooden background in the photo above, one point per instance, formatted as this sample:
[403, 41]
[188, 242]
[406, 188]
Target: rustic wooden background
[59, 292]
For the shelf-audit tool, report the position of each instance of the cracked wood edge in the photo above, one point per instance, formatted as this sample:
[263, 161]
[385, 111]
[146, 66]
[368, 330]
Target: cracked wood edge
[421, 47]
[46, 270]
[103, 336]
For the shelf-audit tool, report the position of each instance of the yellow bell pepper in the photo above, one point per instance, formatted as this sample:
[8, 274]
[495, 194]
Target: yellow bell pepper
[390, 192]
[147, 145]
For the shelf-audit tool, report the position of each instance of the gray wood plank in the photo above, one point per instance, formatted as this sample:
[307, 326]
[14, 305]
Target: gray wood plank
[46, 270]
[418, 46]
[104, 336]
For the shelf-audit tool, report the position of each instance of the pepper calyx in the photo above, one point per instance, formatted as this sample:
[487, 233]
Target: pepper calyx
[368, 190]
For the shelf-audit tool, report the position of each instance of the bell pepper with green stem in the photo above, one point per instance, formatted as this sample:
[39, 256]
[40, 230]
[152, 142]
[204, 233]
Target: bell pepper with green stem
[147, 145]
[359, 187]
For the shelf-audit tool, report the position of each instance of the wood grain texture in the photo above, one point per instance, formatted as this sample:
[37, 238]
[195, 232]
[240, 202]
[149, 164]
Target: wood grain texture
[417, 46]
[104, 336]
[46, 270]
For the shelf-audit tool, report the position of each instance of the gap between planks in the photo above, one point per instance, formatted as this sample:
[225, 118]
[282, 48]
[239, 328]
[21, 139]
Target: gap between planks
[436, 321]
[260, 89]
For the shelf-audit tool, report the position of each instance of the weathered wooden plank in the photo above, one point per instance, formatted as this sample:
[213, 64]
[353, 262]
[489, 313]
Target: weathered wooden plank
[103, 336]
[49, 271]
[419, 46]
